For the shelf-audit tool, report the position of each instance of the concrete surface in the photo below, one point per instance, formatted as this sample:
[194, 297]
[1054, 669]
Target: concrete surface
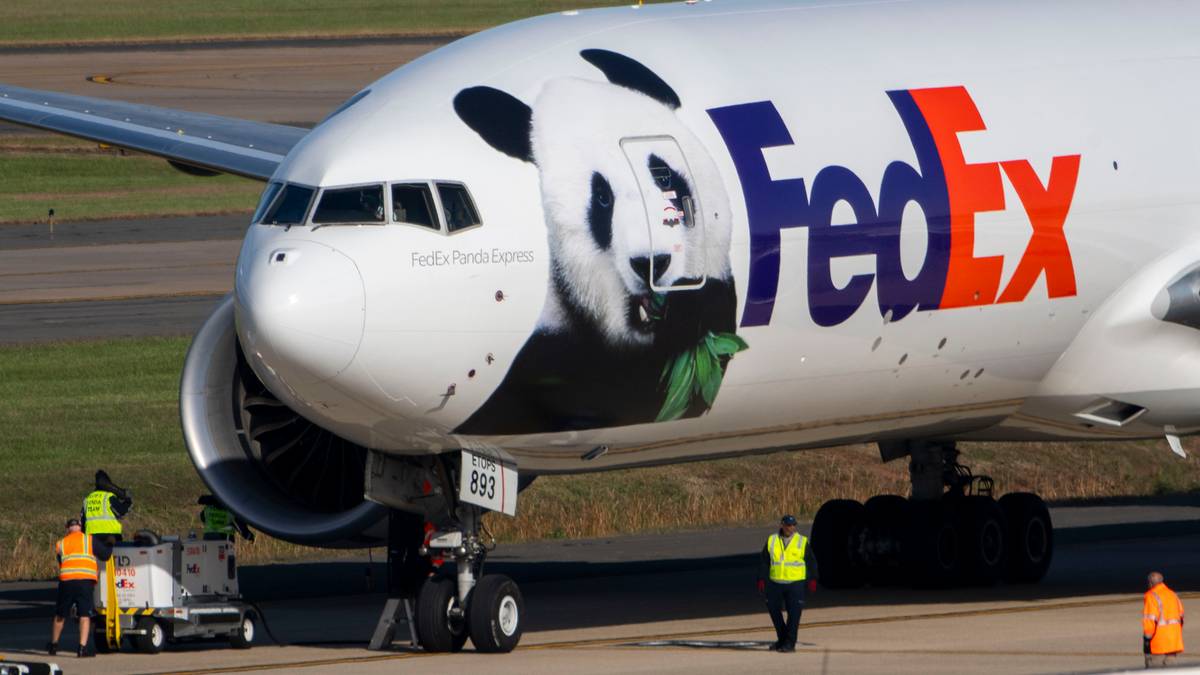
[686, 603]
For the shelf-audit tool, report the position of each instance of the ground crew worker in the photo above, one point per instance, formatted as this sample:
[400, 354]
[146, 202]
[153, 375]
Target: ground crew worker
[1162, 623]
[783, 575]
[219, 522]
[77, 576]
[102, 510]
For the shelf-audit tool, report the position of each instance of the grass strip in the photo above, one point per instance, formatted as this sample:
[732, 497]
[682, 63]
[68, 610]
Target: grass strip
[76, 21]
[81, 181]
[67, 409]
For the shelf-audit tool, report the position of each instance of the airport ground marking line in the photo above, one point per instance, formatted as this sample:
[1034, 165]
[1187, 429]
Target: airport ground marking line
[99, 270]
[633, 640]
[118, 298]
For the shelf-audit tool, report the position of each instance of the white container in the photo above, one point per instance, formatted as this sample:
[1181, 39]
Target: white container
[144, 576]
[171, 573]
[208, 568]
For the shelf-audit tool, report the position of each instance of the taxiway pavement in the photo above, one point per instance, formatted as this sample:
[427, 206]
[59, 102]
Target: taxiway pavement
[685, 602]
[163, 276]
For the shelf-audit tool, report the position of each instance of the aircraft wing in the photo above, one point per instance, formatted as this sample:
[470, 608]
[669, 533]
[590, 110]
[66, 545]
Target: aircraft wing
[198, 140]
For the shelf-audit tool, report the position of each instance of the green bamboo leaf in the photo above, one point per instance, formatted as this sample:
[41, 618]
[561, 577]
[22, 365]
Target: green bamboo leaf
[723, 347]
[710, 387]
[709, 342]
[704, 369]
[679, 388]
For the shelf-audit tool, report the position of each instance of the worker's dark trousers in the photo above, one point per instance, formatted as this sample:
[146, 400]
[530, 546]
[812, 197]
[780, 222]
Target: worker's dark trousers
[103, 544]
[789, 597]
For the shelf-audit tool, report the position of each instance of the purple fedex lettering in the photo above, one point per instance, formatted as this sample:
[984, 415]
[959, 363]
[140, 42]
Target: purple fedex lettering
[772, 205]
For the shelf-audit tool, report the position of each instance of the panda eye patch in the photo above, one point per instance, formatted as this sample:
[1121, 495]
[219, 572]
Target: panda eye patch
[667, 178]
[600, 211]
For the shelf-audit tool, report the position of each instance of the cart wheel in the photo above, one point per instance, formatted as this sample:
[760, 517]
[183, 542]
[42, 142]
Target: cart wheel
[244, 635]
[154, 638]
[100, 642]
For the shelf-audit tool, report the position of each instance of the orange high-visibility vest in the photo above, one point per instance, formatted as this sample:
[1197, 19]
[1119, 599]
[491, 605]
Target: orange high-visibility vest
[1162, 620]
[78, 563]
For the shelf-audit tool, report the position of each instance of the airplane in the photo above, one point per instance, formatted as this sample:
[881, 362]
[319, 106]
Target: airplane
[641, 235]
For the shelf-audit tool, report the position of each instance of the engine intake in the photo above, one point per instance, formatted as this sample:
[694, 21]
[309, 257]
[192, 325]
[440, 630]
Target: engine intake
[280, 472]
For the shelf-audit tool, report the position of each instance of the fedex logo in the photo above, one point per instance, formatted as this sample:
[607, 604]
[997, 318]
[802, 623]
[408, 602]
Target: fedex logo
[949, 190]
[125, 583]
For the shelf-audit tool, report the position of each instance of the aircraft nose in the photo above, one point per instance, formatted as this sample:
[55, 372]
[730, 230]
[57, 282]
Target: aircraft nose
[300, 306]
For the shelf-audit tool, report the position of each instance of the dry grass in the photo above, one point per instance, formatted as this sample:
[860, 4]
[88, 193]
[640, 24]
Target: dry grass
[82, 181]
[755, 490]
[66, 409]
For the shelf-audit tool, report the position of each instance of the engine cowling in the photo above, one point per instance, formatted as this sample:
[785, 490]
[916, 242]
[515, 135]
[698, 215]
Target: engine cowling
[277, 470]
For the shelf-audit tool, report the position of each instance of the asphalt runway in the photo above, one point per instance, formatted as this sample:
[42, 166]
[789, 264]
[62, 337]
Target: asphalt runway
[114, 278]
[162, 276]
[107, 319]
[686, 603]
[283, 81]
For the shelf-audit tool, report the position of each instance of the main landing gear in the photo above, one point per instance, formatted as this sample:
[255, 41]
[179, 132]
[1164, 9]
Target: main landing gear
[429, 527]
[951, 532]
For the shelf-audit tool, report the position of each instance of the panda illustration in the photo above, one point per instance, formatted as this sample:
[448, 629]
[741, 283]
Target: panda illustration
[607, 342]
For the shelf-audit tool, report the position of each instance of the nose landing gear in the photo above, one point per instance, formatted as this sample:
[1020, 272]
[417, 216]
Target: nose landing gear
[436, 525]
[485, 607]
[950, 532]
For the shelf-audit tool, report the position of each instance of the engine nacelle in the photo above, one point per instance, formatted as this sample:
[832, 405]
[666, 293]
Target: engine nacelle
[268, 464]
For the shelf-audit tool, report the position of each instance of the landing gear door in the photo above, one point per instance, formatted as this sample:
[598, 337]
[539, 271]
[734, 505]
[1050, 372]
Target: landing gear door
[673, 212]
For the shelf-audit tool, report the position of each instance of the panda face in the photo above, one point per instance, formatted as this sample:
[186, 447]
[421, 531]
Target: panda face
[644, 244]
[614, 215]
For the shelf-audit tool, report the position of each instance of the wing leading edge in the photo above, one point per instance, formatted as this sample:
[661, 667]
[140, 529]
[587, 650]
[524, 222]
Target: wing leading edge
[223, 144]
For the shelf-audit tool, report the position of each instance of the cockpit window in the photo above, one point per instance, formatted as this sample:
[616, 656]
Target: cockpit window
[412, 203]
[350, 205]
[290, 207]
[460, 211]
[264, 202]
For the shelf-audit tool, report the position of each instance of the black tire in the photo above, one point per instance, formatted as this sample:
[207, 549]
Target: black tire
[100, 638]
[438, 630]
[982, 534]
[1030, 537]
[931, 548]
[887, 519]
[155, 638]
[494, 614]
[243, 637]
[836, 533]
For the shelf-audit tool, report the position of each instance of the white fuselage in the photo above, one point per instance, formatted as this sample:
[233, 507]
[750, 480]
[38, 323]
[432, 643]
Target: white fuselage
[394, 335]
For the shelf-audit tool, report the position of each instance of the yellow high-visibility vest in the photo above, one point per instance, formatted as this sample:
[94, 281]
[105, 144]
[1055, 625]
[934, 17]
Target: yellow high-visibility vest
[98, 515]
[787, 562]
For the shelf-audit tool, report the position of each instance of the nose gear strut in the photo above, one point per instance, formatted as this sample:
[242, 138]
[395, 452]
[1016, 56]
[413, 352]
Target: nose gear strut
[443, 611]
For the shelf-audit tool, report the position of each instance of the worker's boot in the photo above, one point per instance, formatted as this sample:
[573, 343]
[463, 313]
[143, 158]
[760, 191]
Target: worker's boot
[51, 648]
[84, 652]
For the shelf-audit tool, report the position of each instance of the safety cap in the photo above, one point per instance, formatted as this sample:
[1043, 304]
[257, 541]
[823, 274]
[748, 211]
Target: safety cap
[788, 520]
[73, 522]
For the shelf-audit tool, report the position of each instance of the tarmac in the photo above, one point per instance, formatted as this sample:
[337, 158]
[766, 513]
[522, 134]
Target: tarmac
[685, 602]
[163, 276]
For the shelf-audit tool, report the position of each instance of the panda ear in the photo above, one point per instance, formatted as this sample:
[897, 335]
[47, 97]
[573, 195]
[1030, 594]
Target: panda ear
[499, 118]
[624, 71]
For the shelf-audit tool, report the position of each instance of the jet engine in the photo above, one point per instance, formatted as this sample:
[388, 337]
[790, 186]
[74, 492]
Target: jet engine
[277, 470]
